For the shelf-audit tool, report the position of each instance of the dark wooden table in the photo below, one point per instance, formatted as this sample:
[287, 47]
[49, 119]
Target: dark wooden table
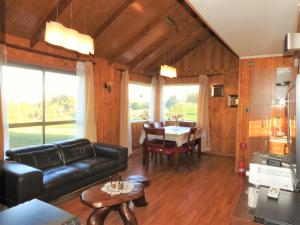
[103, 203]
[140, 202]
[176, 134]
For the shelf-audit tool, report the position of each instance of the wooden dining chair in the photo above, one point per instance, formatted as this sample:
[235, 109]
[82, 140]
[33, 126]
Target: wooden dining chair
[158, 124]
[186, 124]
[158, 147]
[189, 146]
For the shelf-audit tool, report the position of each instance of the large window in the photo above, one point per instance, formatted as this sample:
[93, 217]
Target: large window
[40, 105]
[139, 101]
[181, 99]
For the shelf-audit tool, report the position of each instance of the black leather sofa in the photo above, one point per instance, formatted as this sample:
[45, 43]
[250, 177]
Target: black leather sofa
[49, 171]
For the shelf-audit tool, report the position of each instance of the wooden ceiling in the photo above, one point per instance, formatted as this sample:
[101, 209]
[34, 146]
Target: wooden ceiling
[138, 33]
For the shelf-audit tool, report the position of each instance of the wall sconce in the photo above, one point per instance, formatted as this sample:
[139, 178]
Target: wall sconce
[107, 86]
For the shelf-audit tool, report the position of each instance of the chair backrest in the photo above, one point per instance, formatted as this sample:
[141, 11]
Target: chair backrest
[152, 125]
[158, 124]
[160, 133]
[192, 137]
[187, 124]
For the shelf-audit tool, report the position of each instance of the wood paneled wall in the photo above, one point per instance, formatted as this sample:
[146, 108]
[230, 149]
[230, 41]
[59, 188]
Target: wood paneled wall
[246, 67]
[107, 104]
[136, 128]
[29, 58]
[222, 119]
[211, 57]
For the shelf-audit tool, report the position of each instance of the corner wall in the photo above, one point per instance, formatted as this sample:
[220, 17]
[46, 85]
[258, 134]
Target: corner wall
[214, 59]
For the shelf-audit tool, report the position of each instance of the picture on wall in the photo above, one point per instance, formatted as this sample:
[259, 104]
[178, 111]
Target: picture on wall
[217, 90]
[233, 100]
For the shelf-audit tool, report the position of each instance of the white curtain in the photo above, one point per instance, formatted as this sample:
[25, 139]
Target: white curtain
[203, 113]
[125, 125]
[153, 99]
[4, 144]
[85, 117]
[158, 98]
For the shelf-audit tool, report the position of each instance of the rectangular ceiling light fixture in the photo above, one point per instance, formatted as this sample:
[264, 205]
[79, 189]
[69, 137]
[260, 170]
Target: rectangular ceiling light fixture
[168, 71]
[58, 34]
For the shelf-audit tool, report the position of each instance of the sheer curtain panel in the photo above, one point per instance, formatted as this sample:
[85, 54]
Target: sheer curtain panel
[203, 113]
[125, 125]
[158, 99]
[4, 140]
[85, 117]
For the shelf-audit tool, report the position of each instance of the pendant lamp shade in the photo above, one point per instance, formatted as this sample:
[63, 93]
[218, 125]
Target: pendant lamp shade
[168, 71]
[59, 35]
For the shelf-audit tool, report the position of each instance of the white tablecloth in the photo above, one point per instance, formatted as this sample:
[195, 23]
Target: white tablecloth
[172, 133]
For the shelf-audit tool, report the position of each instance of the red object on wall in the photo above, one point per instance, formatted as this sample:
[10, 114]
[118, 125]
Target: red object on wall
[242, 167]
[243, 145]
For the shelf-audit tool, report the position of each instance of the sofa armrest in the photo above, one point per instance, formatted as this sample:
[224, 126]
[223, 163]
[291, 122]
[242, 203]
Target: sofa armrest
[115, 152]
[20, 182]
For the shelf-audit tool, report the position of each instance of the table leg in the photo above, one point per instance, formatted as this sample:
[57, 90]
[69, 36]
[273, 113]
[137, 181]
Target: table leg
[144, 152]
[98, 216]
[176, 157]
[199, 148]
[127, 215]
[140, 202]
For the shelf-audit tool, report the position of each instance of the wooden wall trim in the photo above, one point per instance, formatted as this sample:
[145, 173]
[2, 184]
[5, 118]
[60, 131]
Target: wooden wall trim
[140, 78]
[182, 80]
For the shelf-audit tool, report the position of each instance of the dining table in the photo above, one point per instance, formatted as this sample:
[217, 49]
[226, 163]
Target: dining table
[178, 134]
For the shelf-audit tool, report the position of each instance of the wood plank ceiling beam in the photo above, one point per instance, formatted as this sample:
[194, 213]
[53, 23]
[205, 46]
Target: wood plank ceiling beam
[143, 32]
[184, 34]
[191, 48]
[156, 45]
[112, 18]
[183, 48]
[52, 16]
[149, 50]
[183, 52]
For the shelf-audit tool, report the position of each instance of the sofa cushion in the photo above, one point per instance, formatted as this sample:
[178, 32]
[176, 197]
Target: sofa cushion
[42, 159]
[76, 149]
[89, 150]
[62, 175]
[96, 165]
[72, 153]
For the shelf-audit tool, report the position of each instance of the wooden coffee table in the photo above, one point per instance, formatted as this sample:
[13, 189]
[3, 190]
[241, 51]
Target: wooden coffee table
[103, 203]
[140, 202]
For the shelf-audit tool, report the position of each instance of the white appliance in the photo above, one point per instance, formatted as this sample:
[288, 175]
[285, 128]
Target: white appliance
[261, 174]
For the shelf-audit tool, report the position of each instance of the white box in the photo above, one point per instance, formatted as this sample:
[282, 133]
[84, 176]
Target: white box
[261, 174]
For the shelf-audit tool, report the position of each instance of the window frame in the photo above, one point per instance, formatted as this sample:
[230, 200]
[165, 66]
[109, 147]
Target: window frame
[179, 84]
[42, 123]
[142, 84]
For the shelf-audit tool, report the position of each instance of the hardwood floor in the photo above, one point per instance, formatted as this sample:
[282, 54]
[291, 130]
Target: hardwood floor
[205, 194]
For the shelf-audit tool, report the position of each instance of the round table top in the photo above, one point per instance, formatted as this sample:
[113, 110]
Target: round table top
[141, 179]
[96, 198]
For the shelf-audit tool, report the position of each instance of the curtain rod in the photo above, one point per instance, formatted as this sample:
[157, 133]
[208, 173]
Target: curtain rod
[196, 76]
[209, 75]
[44, 53]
